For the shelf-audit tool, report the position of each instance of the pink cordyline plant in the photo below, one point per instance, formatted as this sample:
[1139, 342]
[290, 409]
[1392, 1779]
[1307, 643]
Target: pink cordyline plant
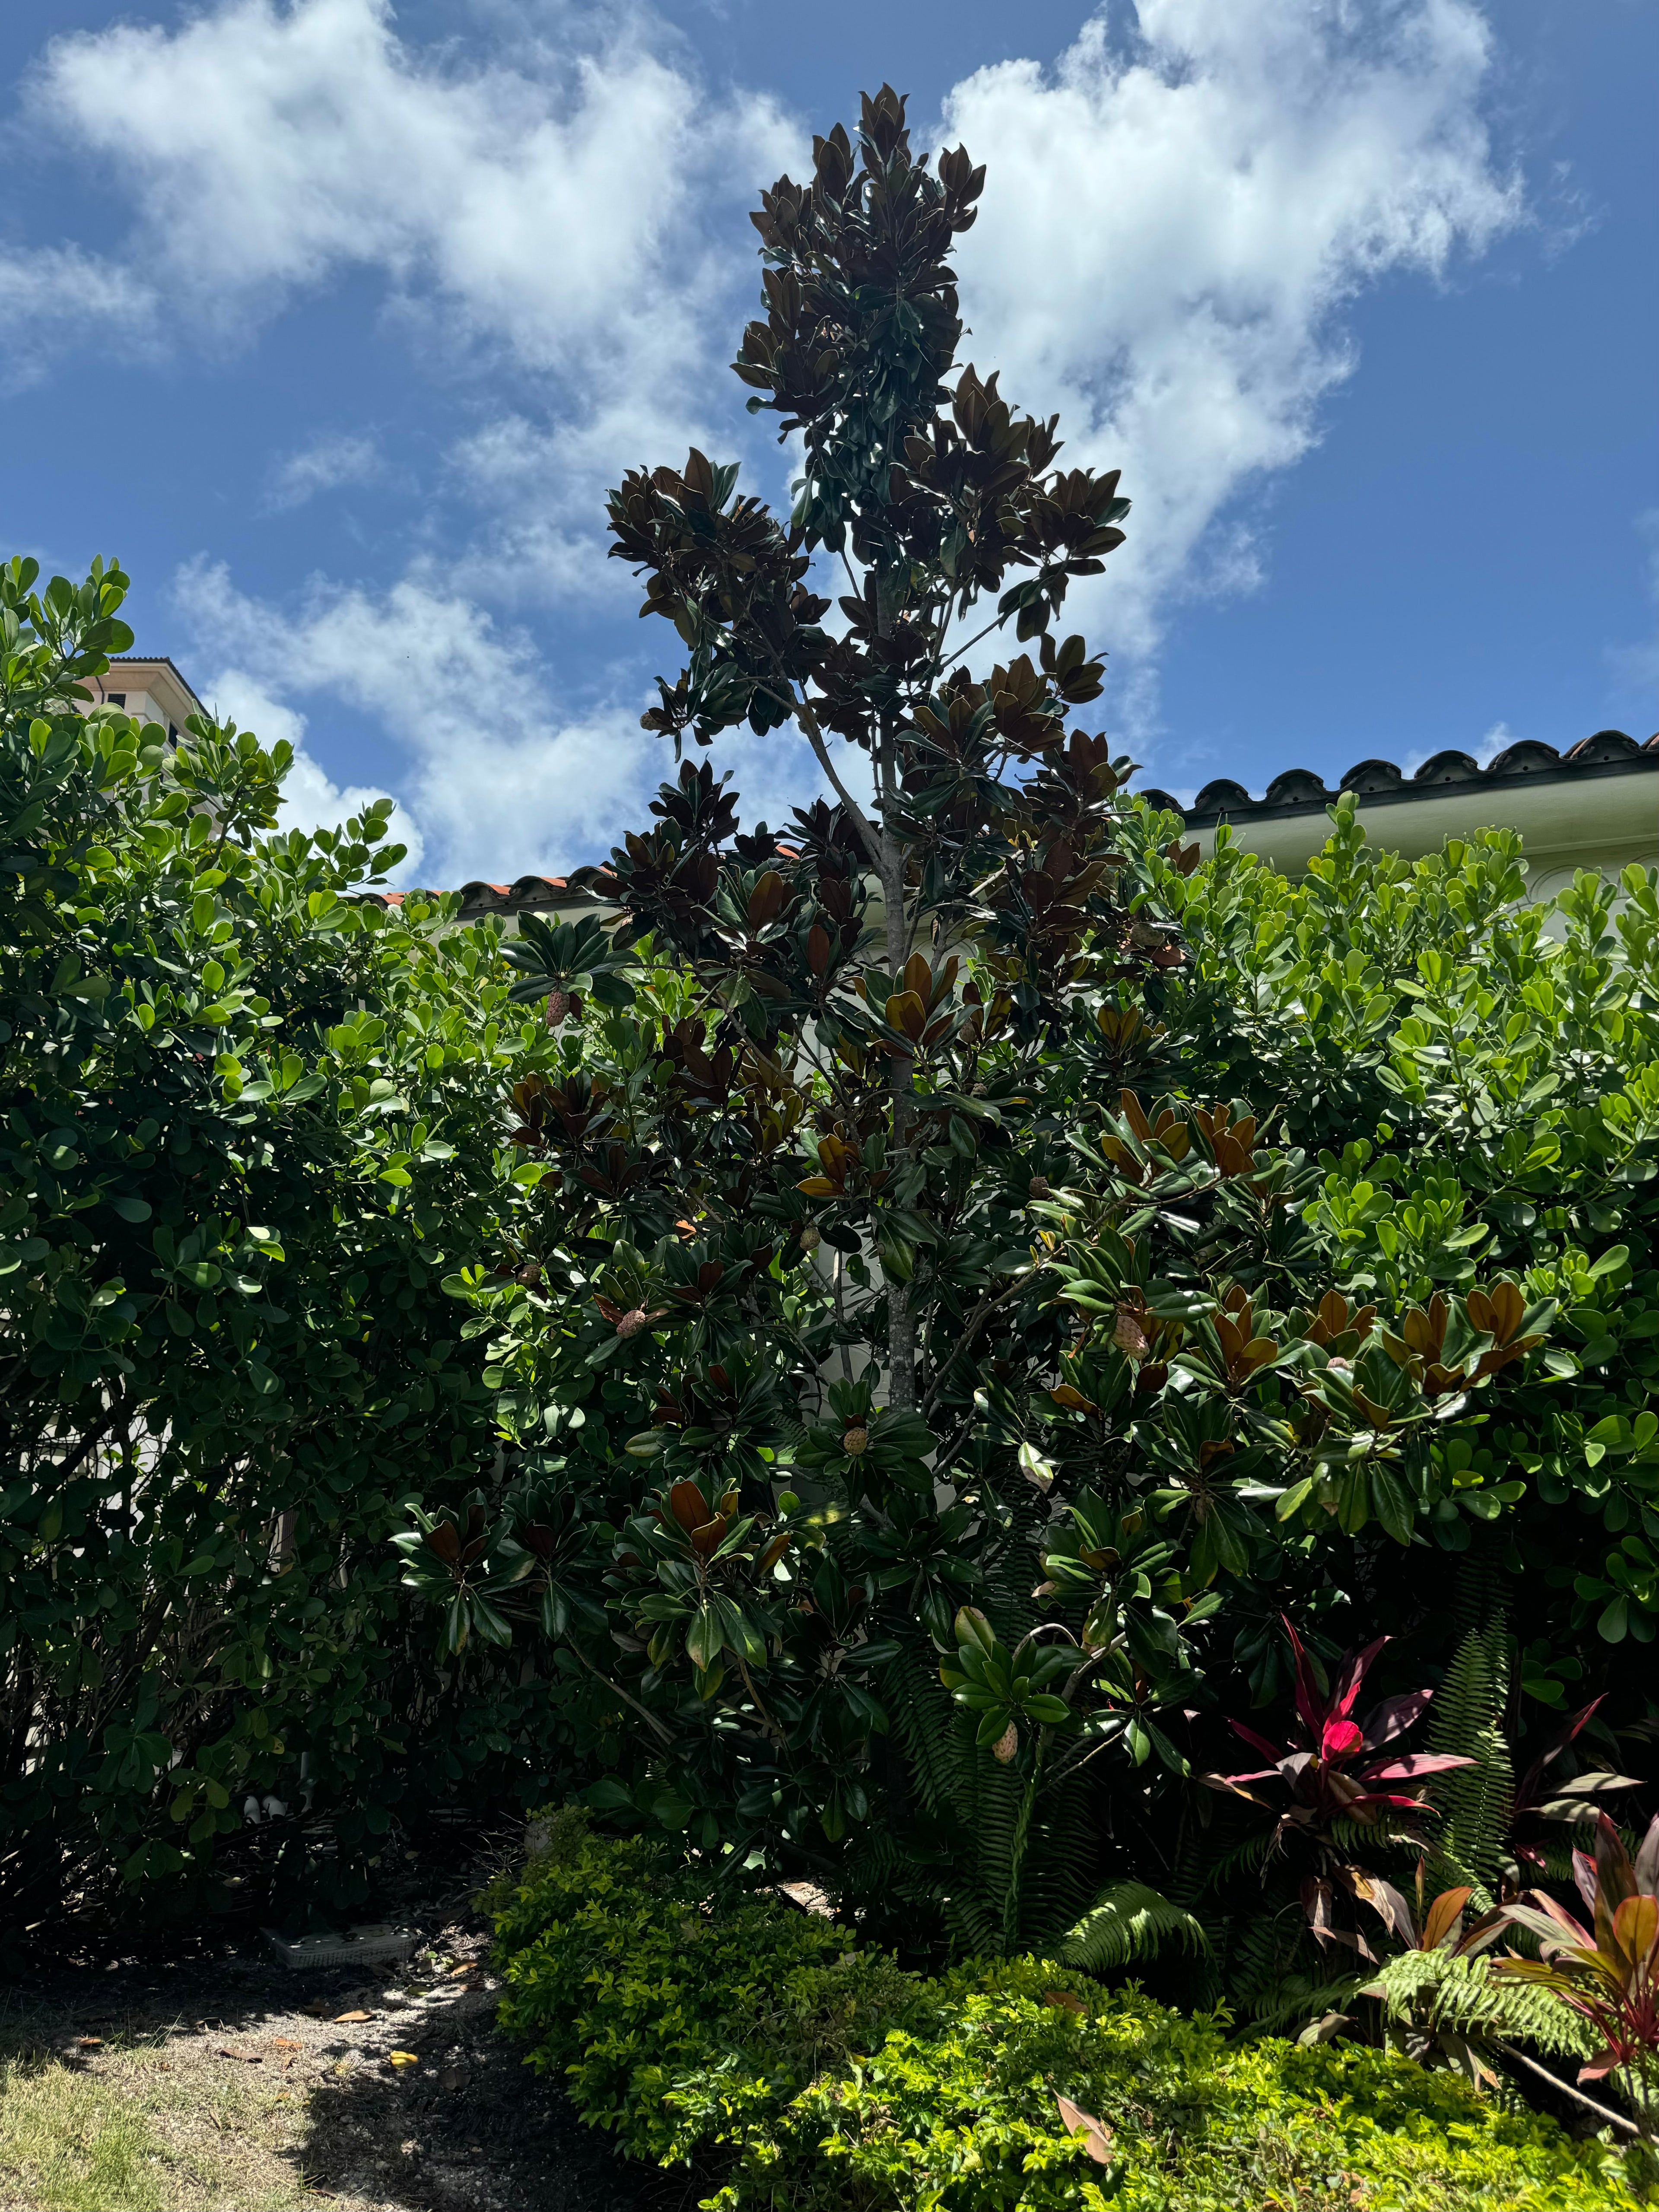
[1340, 1772]
[1337, 1773]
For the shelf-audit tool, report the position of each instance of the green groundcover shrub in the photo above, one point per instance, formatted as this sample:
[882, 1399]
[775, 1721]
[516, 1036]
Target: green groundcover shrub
[804, 2073]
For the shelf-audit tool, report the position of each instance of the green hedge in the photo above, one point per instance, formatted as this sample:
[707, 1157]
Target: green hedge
[251, 1121]
[809, 2074]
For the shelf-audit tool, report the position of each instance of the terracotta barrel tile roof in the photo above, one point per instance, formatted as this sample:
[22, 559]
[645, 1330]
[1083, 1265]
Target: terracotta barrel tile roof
[1382, 783]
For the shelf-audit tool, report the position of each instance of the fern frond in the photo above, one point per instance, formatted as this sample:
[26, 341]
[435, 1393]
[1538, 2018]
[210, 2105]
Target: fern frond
[1128, 1922]
[974, 1922]
[1434, 1990]
[1275, 1978]
[1557, 1857]
[1476, 1802]
[1247, 1857]
[1052, 1871]
[1061, 1868]
[930, 1730]
[1479, 1598]
[1298, 1998]
[1259, 1954]
[1364, 1839]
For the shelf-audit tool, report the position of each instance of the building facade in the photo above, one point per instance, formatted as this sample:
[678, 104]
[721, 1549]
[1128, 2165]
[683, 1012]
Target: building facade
[153, 690]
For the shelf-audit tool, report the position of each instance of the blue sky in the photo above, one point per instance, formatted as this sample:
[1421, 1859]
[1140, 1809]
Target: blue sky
[333, 322]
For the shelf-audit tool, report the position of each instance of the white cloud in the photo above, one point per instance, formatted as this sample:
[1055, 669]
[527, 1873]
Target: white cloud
[1171, 225]
[502, 782]
[1485, 749]
[53, 295]
[575, 210]
[326, 464]
[1172, 228]
[542, 487]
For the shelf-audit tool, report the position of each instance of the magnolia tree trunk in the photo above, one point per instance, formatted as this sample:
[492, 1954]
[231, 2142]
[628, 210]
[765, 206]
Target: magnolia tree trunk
[901, 1317]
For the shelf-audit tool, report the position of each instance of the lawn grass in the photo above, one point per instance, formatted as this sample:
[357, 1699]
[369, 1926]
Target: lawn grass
[144, 2130]
[216, 2080]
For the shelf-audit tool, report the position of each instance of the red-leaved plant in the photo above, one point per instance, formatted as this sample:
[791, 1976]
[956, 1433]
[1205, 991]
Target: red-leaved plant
[1608, 1974]
[1540, 1796]
[1341, 1772]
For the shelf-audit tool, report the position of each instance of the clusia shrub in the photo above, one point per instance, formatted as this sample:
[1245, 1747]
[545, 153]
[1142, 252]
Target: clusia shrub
[250, 1122]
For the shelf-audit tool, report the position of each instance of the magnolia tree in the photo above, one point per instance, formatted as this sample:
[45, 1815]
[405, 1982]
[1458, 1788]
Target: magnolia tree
[912, 1420]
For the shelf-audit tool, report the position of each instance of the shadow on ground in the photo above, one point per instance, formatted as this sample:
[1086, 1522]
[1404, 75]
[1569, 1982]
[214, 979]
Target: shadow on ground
[472, 2129]
[257, 2088]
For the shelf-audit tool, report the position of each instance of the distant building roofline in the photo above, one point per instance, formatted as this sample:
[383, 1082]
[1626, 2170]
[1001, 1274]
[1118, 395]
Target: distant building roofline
[1442, 776]
[525, 895]
[1296, 794]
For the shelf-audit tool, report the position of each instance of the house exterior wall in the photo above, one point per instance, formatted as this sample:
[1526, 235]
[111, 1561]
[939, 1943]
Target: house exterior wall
[151, 689]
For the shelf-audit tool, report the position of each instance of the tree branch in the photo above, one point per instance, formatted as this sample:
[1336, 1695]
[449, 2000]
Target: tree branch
[866, 829]
[649, 1717]
[957, 652]
[1601, 2112]
[64, 1467]
[981, 1313]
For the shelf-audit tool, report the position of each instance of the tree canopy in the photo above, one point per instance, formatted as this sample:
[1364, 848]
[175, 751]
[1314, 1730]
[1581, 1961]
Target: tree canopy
[883, 1347]
[996, 1270]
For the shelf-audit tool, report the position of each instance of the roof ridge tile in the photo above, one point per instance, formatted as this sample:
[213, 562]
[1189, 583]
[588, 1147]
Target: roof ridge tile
[1295, 791]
